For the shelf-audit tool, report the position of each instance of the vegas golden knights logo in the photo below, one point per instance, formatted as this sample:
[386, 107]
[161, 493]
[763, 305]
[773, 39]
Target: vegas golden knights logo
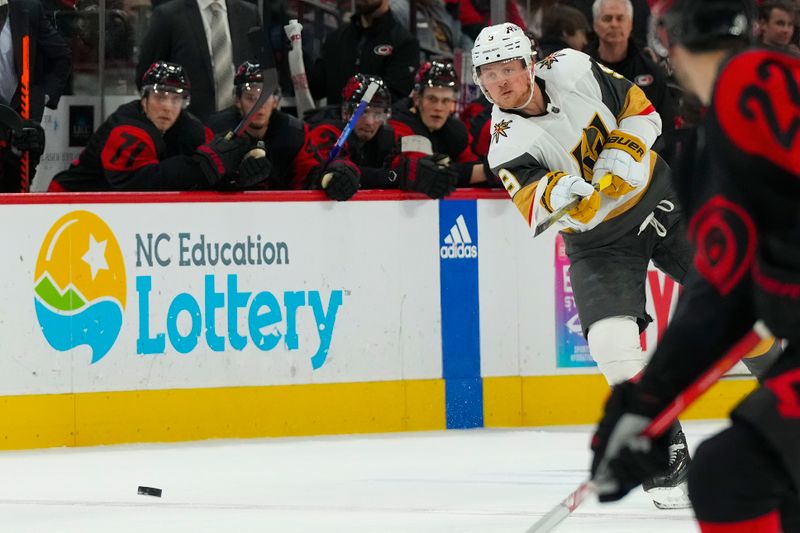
[591, 144]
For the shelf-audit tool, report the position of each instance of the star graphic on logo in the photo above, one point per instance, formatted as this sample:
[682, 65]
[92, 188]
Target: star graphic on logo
[95, 257]
[549, 60]
[500, 129]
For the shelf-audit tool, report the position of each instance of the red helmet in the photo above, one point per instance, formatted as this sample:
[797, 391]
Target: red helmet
[356, 86]
[436, 74]
[164, 76]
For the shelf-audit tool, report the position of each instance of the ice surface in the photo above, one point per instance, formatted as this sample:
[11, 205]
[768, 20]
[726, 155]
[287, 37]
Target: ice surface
[449, 481]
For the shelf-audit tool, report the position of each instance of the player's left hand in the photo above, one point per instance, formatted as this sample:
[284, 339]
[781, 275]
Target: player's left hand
[254, 169]
[626, 173]
[621, 158]
[623, 458]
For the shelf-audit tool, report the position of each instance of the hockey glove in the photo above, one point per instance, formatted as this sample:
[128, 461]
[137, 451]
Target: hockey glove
[623, 458]
[220, 158]
[29, 139]
[621, 158]
[430, 175]
[253, 170]
[341, 180]
[563, 188]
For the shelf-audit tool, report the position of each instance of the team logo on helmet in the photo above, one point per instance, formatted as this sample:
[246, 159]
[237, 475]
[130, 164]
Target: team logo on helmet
[165, 76]
[500, 130]
[436, 74]
[356, 87]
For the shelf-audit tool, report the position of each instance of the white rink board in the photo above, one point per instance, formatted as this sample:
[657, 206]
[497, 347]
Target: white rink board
[383, 256]
[516, 294]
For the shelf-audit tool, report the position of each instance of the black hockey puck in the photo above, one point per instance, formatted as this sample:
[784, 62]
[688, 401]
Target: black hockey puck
[149, 491]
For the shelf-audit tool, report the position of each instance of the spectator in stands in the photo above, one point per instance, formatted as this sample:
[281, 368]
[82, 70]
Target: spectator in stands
[370, 149]
[437, 32]
[429, 113]
[373, 42]
[614, 48]
[289, 155]
[476, 15]
[641, 16]
[154, 144]
[207, 37]
[563, 27]
[776, 23]
[49, 69]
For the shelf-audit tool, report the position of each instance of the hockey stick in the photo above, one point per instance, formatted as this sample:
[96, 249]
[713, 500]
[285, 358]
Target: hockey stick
[25, 107]
[559, 213]
[257, 37]
[297, 68]
[348, 128]
[662, 422]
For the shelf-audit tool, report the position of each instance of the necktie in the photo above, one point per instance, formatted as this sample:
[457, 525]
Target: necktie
[222, 57]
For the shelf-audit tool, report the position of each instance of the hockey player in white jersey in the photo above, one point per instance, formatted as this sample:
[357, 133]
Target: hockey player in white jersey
[560, 126]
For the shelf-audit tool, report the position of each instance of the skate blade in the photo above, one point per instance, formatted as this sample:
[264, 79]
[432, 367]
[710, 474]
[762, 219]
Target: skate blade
[670, 497]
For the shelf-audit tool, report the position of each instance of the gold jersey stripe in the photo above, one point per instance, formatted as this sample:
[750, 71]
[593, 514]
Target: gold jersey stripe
[524, 200]
[635, 103]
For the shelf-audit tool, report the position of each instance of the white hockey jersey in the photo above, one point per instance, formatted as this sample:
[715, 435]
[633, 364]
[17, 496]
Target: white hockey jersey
[586, 102]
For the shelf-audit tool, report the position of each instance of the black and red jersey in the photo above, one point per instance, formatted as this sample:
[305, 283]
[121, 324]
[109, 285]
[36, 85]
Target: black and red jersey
[129, 153]
[372, 157]
[739, 182]
[287, 143]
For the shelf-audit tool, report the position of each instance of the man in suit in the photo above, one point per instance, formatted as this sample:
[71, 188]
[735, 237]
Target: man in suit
[181, 31]
[49, 67]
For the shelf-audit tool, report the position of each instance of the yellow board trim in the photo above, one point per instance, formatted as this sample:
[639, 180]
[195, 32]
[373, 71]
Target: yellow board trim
[578, 399]
[87, 419]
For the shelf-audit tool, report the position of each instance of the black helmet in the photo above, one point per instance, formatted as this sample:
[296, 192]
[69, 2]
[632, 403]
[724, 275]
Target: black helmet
[248, 72]
[355, 88]
[435, 74]
[164, 76]
[699, 24]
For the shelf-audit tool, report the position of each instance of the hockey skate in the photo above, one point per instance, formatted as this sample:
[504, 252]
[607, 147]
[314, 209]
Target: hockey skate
[670, 490]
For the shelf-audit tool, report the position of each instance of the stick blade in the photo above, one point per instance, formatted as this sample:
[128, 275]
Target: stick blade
[560, 512]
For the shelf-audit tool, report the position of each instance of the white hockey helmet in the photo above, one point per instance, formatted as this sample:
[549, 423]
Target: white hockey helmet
[501, 42]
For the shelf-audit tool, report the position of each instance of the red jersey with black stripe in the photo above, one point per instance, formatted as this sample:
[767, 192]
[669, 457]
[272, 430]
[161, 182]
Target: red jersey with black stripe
[128, 152]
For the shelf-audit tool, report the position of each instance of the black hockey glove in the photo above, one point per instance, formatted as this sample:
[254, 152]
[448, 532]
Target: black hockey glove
[29, 139]
[341, 180]
[429, 175]
[622, 458]
[219, 158]
[254, 170]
